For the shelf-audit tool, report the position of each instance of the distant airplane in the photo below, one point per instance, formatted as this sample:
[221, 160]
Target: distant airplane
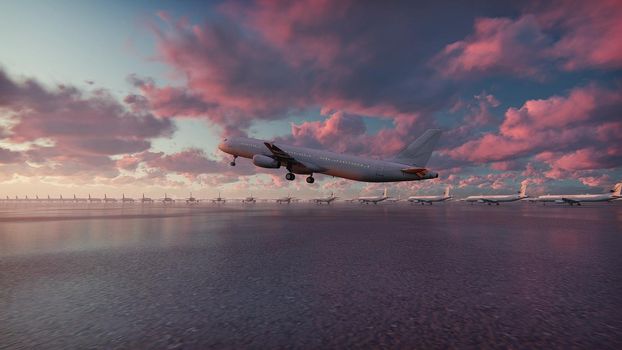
[219, 199]
[326, 200]
[374, 199]
[76, 199]
[577, 199]
[286, 199]
[94, 200]
[249, 199]
[146, 199]
[430, 199]
[496, 199]
[125, 199]
[408, 165]
[191, 200]
[109, 200]
[167, 199]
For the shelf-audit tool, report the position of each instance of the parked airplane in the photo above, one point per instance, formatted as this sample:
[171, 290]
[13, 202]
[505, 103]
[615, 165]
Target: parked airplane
[374, 199]
[288, 199]
[125, 199]
[326, 200]
[76, 199]
[430, 199]
[191, 200]
[496, 199]
[94, 200]
[408, 165]
[580, 198]
[146, 199]
[219, 199]
[109, 200]
[167, 199]
[249, 199]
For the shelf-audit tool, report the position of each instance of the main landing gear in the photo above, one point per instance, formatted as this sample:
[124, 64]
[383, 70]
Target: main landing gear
[233, 161]
[290, 176]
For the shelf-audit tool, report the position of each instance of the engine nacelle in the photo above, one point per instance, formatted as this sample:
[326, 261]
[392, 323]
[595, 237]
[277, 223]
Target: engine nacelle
[265, 162]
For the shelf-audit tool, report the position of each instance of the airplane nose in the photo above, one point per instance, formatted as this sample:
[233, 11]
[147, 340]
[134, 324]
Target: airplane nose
[223, 145]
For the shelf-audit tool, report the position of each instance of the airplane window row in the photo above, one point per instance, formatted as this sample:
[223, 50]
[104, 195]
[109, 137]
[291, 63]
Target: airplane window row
[341, 161]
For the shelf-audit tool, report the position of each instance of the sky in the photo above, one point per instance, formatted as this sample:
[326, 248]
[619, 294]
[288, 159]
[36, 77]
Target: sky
[133, 97]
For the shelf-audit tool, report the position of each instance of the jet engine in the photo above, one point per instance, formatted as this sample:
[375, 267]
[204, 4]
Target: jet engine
[265, 161]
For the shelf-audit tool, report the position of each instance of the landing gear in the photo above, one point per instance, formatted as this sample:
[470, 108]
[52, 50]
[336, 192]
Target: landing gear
[233, 161]
[310, 179]
[290, 176]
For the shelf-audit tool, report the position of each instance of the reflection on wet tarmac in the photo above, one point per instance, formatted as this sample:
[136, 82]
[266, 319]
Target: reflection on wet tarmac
[268, 276]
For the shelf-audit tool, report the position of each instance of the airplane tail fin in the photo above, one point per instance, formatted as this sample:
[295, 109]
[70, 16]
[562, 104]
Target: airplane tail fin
[523, 189]
[419, 151]
[446, 194]
[617, 189]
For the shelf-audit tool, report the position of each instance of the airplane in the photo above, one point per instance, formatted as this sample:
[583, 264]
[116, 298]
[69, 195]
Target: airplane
[125, 199]
[167, 199]
[51, 199]
[430, 199]
[496, 199]
[393, 199]
[287, 199]
[408, 165]
[191, 200]
[106, 199]
[76, 199]
[577, 199]
[374, 199]
[249, 199]
[146, 199]
[94, 200]
[219, 199]
[326, 200]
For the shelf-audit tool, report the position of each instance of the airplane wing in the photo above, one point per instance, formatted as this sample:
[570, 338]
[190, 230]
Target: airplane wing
[486, 200]
[286, 158]
[570, 201]
[279, 153]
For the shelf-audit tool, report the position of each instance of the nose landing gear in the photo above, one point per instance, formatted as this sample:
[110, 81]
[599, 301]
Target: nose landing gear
[233, 161]
[310, 179]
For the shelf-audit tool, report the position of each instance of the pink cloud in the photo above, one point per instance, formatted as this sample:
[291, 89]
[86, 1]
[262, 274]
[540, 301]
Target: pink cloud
[577, 34]
[77, 132]
[497, 45]
[590, 32]
[559, 124]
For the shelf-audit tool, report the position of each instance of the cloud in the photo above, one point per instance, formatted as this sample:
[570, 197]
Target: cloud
[268, 60]
[498, 45]
[69, 132]
[589, 31]
[566, 33]
[561, 124]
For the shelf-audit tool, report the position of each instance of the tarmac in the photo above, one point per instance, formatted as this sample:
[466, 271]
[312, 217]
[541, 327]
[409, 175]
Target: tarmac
[449, 275]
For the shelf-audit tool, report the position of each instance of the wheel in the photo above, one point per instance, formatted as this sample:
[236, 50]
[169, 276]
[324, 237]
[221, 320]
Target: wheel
[310, 180]
[290, 176]
[232, 163]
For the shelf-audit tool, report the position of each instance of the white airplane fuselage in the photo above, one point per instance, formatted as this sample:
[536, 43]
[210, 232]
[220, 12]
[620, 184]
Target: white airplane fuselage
[575, 198]
[310, 161]
[427, 199]
[495, 198]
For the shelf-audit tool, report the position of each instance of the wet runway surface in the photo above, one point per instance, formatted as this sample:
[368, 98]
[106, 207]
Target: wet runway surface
[449, 275]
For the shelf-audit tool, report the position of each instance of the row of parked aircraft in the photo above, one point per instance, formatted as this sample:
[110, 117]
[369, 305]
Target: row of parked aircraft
[572, 199]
